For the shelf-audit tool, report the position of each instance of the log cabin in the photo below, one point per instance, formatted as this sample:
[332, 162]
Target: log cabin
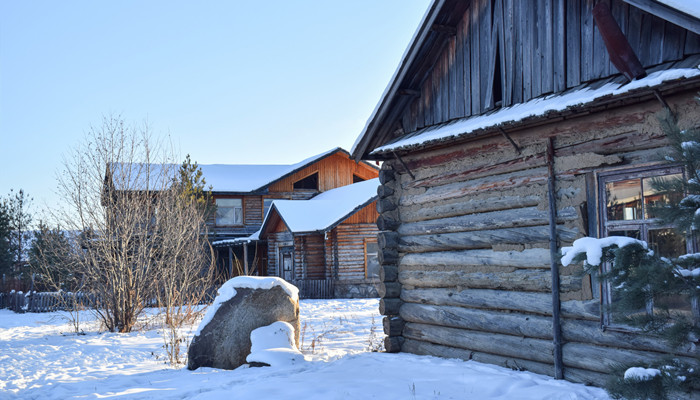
[243, 194]
[327, 244]
[510, 129]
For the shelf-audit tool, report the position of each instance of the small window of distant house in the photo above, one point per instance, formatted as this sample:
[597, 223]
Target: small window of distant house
[229, 212]
[626, 201]
[308, 183]
[267, 203]
[371, 259]
[356, 179]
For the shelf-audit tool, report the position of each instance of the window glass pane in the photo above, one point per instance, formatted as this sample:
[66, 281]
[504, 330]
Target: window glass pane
[371, 260]
[624, 200]
[266, 206]
[658, 198]
[666, 242]
[229, 212]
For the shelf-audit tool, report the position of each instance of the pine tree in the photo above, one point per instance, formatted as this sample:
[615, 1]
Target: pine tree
[192, 183]
[17, 206]
[5, 240]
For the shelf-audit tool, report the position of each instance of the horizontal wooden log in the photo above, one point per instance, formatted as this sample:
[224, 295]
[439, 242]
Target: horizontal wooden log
[386, 175]
[602, 359]
[389, 289]
[386, 223]
[525, 325]
[627, 141]
[483, 239]
[516, 180]
[527, 280]
[447, 174]
[393, 344]
[393, 326]
[487, 342]
[536, 303]
[512, 218]
[464, 206]
[388, 239]
[388, 256]
[384, 191]
[388, 273]
[528, 258]
[571, 374]
[385, 205]
[426, 348]
[389, 306]
[535, 326]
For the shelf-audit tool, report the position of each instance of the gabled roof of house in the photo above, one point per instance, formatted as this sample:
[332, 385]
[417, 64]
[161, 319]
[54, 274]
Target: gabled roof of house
[226, 178]
[680, 12]
[325, 211]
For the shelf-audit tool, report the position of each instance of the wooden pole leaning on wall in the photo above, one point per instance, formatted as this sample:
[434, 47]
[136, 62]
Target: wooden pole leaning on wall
[556, 321]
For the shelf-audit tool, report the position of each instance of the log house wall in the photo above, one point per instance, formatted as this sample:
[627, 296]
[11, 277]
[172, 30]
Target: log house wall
[464, 245]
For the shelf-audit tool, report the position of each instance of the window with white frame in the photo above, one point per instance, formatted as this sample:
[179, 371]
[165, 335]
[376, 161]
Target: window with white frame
[626, 202]
[229, 212]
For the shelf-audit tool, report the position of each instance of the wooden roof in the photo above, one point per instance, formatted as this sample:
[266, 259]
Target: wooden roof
[470, 58]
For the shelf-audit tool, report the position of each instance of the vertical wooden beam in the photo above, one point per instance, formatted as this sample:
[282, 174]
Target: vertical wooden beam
[475, 51]
[508, 52]
[245, 259]
[573, 43]
[559, 44]
[230, 262]
[553, 252]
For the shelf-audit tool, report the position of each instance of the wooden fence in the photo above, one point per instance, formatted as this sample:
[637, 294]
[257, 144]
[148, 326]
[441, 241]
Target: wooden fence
[314, 288]
[44, 301]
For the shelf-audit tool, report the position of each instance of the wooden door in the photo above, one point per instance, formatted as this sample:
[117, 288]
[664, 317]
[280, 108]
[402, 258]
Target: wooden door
[287, 257]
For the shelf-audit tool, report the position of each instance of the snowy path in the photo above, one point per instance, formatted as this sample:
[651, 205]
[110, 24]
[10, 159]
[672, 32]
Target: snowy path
[38, 362]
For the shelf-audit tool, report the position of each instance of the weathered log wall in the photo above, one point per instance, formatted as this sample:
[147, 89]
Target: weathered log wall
[465, 257]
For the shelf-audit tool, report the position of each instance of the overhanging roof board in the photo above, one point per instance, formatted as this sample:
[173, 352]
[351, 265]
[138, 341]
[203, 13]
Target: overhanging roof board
[569, 100]
[325, 211]
[684, 13]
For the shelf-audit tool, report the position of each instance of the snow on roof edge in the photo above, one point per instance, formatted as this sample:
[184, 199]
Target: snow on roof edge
[533, 108]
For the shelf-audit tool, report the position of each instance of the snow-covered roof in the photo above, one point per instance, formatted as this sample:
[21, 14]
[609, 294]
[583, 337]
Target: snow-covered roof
[233, 178]
[325, 211]
[535, 108]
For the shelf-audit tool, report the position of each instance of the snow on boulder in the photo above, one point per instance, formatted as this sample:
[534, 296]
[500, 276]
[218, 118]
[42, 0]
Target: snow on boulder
[242, 305]
[274, 345]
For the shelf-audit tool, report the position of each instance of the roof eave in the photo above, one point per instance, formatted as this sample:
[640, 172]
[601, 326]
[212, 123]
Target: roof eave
[359, 148]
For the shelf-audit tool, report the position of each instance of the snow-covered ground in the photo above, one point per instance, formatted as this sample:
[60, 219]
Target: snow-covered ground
[40, 359]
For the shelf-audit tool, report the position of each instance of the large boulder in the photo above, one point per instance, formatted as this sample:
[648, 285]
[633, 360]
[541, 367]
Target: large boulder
[243, 304]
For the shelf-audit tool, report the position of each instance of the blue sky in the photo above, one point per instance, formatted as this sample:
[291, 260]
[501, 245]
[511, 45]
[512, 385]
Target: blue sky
[230, 81]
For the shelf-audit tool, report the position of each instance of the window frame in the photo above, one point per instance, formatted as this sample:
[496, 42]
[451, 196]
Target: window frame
[643, 225]
[242, 207]
[366, 242]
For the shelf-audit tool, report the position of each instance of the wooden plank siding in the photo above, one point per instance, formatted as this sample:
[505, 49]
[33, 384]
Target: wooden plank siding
[545, 46]
[333, 171]
[473, 249]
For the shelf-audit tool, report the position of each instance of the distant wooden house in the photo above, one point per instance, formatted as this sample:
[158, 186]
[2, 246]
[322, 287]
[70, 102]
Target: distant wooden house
[507, 132]
[327, 244]
[244, 193]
